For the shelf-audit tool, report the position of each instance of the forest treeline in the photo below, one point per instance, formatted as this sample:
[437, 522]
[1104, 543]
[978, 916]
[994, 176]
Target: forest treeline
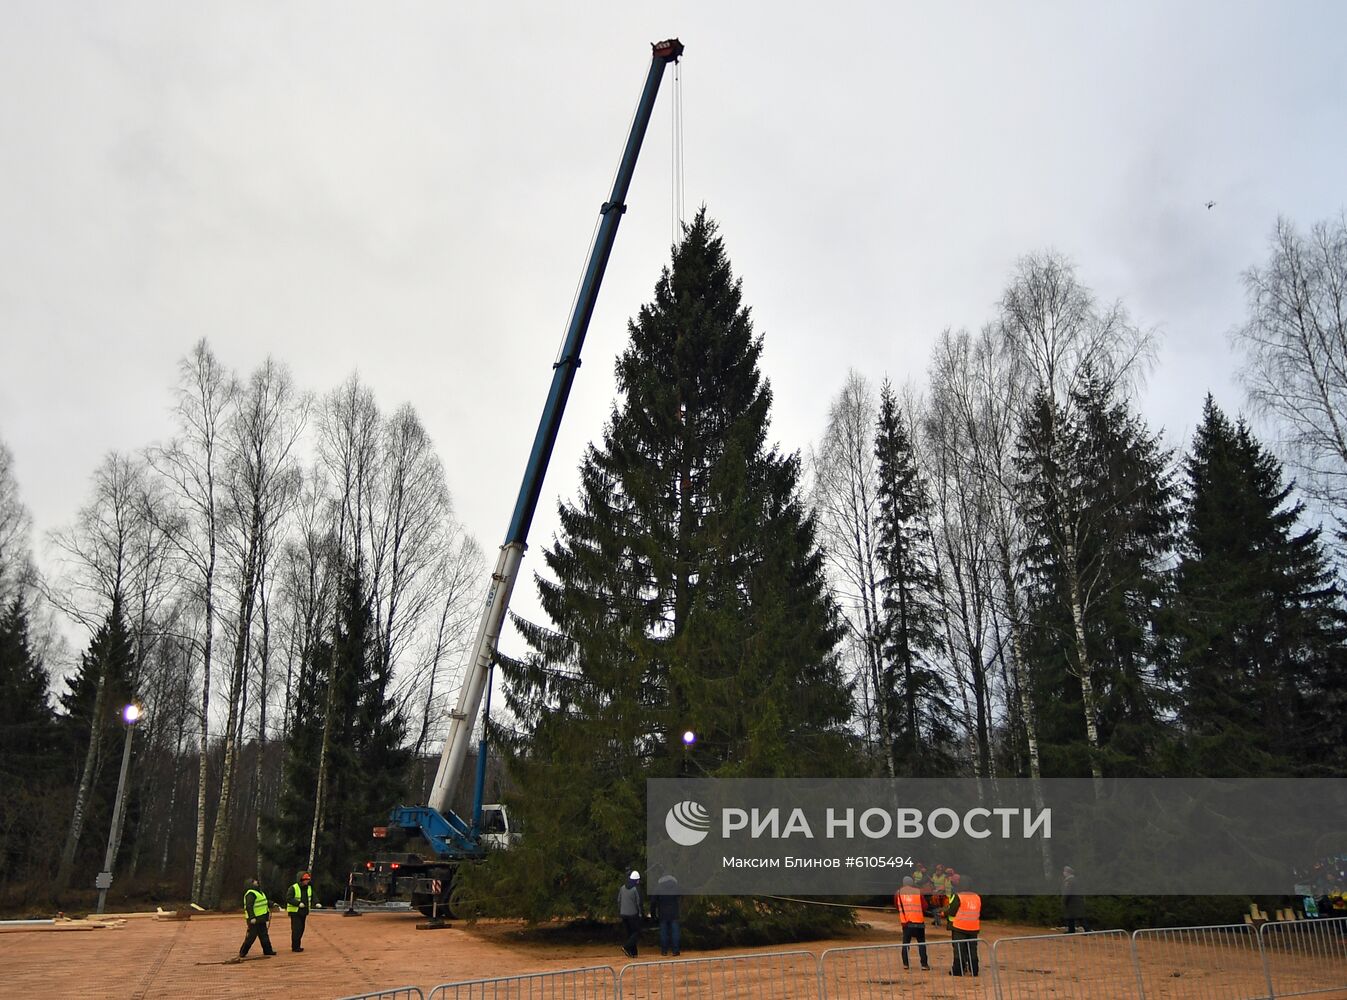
[283, 587]
[996, 567]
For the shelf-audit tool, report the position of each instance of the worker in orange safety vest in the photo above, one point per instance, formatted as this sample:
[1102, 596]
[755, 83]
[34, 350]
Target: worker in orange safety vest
[965, 920]
[910, 912]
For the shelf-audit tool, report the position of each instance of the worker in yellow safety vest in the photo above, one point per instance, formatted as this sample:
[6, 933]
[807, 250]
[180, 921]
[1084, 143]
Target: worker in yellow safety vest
[257, 911]
[297, 903]
[913, 917]
[965, 920]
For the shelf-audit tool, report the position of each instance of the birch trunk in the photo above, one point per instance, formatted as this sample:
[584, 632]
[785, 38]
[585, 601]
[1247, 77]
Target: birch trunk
[85, 786]
[203, 765]
[1085, 672]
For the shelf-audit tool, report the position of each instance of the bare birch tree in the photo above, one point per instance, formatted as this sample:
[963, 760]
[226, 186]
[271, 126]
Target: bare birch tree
[458, 574]
[192, 464]
[1052, 326]
[348, 449]
[960, 527]
[844, 495]
[1296, 341]
[408, 532]
[306, 577]
[263, 479]
[16, 562]
[98, 557]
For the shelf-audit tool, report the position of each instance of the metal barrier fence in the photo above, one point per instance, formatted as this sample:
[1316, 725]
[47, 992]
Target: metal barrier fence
[1088, 966]
[778, 975]
[594, 983]
[1201, 963]
[1303, 957]
[877, 971]
[1232, 962]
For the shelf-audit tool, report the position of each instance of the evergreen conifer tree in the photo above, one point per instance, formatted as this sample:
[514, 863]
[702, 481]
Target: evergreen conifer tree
[291, 827]
[1257, 625]
[91, 734]
[1099, 502]
[913, 700]
[27, 746]
[689, 593]
[367, 763]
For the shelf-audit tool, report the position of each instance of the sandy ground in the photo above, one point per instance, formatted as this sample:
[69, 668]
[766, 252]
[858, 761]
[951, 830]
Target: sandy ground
[148, 958]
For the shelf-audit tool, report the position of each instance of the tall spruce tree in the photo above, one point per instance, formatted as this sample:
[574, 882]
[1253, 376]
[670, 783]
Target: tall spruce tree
[90, 728]
[913, 699]
[290, 828]
[688, 593]
[1257, 626]
[1099, 502]
[27, 748]
[367, 762]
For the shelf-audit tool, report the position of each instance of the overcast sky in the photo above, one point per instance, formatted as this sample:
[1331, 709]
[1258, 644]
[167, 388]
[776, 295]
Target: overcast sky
[407, 190]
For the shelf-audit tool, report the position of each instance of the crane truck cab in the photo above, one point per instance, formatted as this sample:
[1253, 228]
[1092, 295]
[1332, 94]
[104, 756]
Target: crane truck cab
[498, 834]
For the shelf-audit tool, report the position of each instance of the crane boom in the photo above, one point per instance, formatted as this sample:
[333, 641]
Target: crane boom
[506, 570]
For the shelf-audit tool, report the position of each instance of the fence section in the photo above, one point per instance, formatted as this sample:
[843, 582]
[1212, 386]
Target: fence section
[1201, 963]
[1233, 962]
[878, 971]
[1087, 966]
[1304, 957]
[780, 975]
[594, 983]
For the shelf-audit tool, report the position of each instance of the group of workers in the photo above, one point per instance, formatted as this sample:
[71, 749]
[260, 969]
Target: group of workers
[665, 907]
[257, 911]
[960, 905]
[963, 909]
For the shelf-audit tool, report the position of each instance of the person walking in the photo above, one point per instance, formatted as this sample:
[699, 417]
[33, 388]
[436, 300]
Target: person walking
[965, 920]
[257, 911]
[664, 907]
[297, 903]
[629, 909]
[1073, 903]
[913, 917]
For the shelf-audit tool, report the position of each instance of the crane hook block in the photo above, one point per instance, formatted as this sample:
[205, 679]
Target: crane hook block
[670, 48]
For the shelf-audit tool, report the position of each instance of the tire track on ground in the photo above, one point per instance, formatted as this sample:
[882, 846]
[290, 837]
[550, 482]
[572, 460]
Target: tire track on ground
[340, 953]
[148, 979]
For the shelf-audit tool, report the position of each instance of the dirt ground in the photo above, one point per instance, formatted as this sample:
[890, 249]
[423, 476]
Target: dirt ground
[148, 958]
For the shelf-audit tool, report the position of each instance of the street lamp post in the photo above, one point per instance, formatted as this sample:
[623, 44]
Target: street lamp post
[130, 716]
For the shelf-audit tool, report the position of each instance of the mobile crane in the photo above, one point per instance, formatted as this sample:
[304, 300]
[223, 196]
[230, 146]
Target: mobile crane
[426, 873]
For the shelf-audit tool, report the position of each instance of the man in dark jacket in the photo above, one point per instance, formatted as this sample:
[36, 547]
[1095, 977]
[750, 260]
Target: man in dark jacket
[1073, 904]
[665, 904]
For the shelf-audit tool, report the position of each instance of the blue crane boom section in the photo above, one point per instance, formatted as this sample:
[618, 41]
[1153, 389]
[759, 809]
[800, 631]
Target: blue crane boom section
[449, 835]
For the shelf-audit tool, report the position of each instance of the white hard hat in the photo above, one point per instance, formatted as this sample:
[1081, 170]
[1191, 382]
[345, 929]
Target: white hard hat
[635, 876]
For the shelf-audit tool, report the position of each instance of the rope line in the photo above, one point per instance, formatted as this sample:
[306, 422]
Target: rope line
[819, 902]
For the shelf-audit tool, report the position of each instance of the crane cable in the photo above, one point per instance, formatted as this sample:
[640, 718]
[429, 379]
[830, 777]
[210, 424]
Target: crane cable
[676, 152]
